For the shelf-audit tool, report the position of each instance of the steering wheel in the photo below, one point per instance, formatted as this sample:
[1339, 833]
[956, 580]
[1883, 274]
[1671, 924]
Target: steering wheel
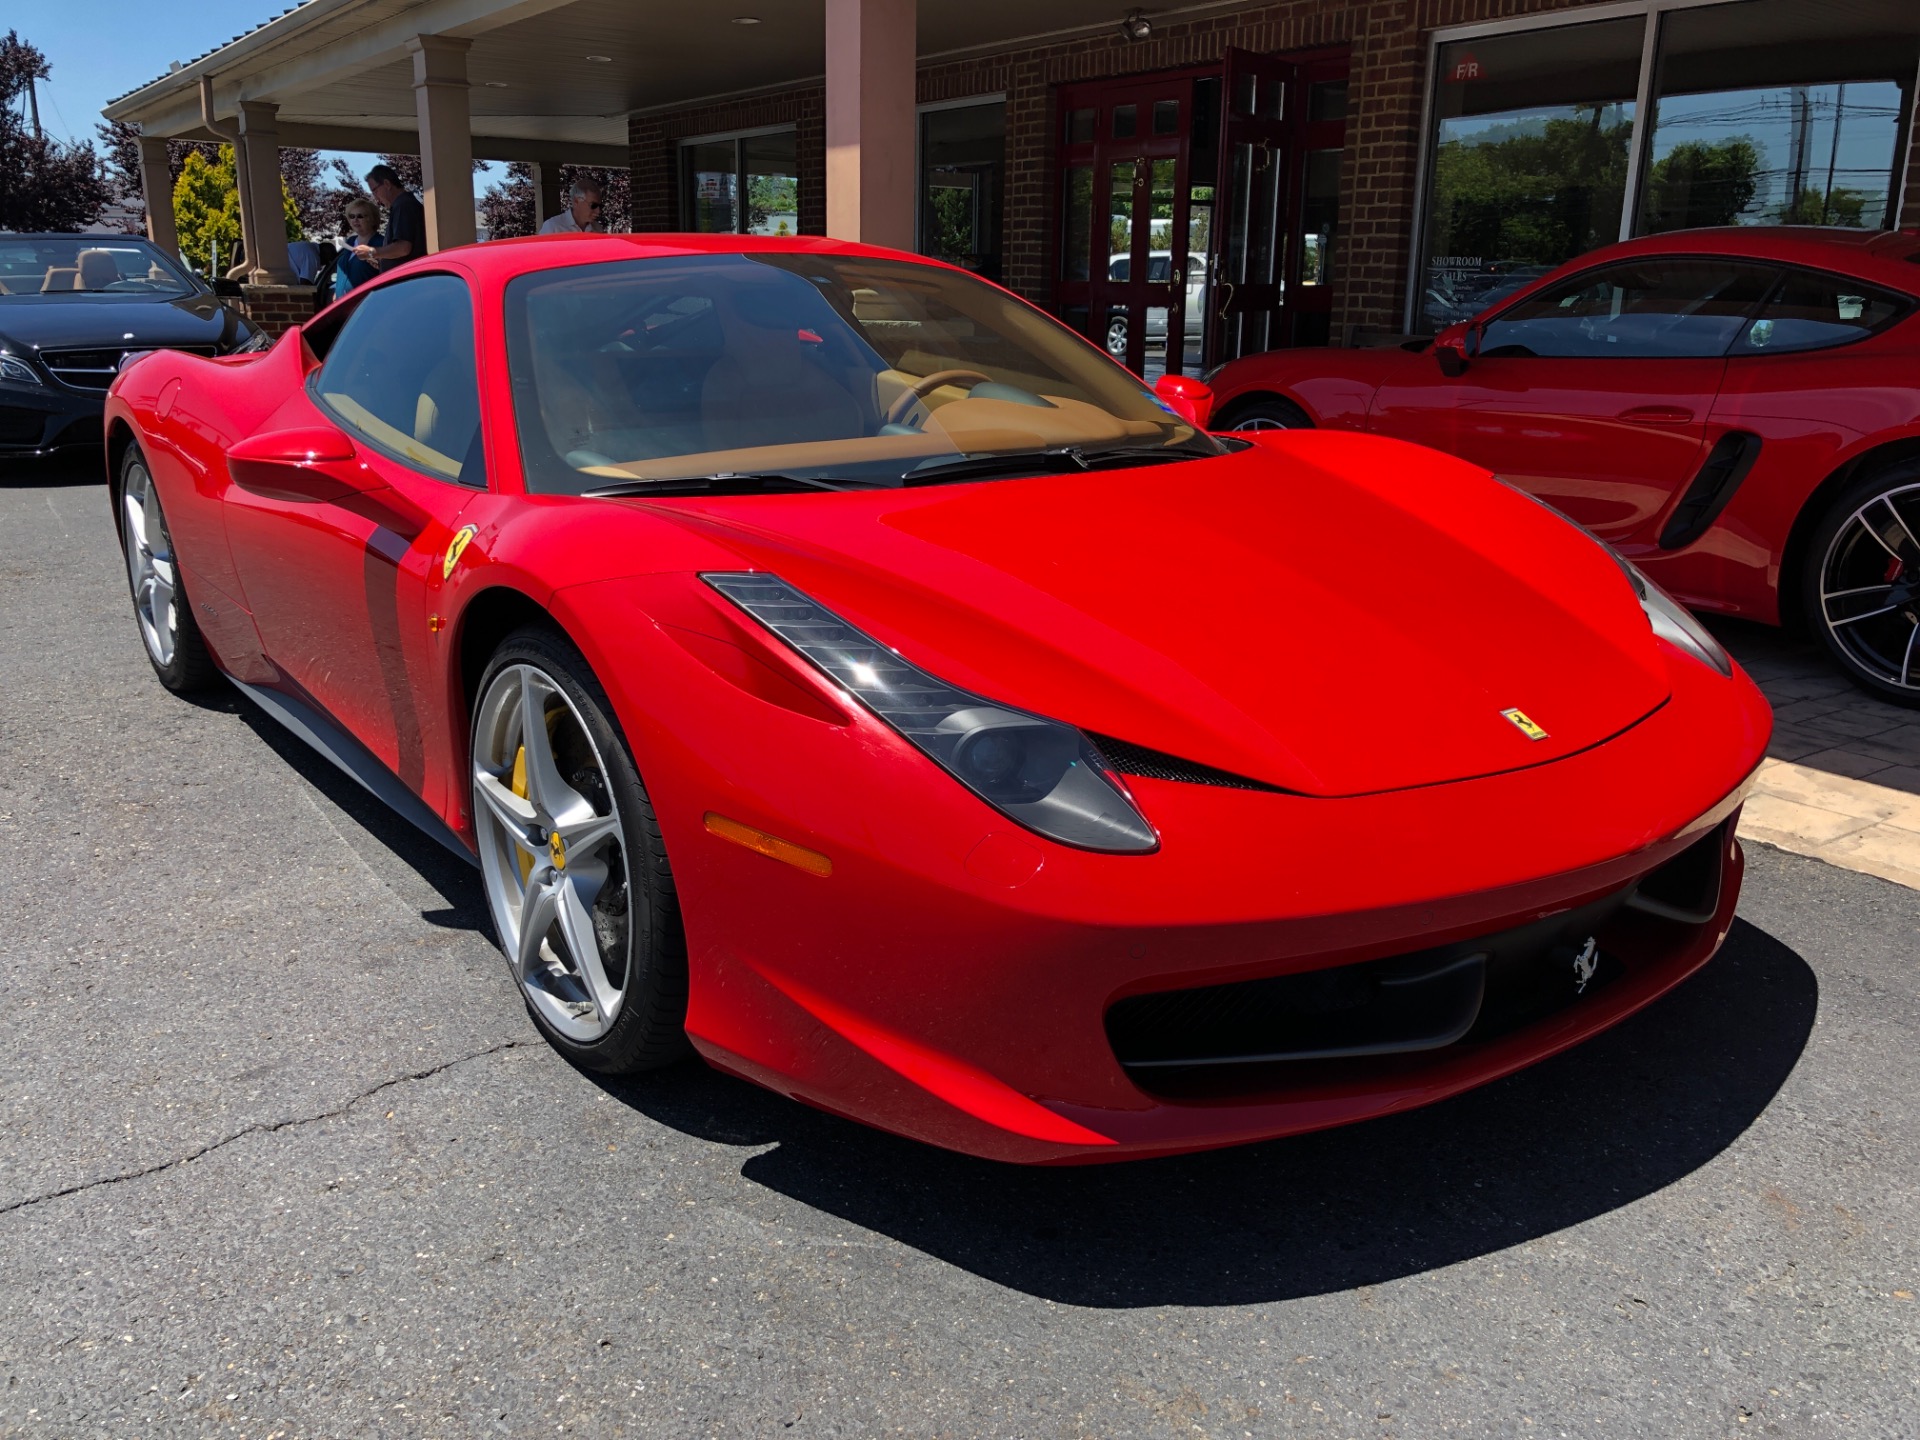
[904, 402]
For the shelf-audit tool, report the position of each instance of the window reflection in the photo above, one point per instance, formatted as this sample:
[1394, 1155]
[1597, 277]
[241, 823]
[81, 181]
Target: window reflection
[749, 185]
[1530, 159]
[1763, 116]
[963, 167]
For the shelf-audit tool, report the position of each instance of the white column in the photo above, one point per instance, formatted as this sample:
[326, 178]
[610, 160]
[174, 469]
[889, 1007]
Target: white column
[259, 151]
[870, 121]
[156, 188]
[446, 138]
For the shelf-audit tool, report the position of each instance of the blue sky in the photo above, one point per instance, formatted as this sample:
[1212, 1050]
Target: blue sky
[100, 49]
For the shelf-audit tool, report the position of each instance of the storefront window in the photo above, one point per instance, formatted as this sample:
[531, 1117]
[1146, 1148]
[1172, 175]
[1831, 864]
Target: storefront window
[748, 185]
[1764, 115]
[963, 161]
[1529, 159]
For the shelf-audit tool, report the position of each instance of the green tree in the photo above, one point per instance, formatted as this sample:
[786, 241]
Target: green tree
[1839, 206]
[1702, 183]
[206, 209]
[44, 184]
[1533, 193]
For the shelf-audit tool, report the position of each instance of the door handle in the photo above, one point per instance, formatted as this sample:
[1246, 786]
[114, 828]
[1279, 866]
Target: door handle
[1658, 415]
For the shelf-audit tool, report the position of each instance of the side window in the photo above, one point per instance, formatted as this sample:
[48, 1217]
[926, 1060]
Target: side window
[400, 373]
[1646, 309]
[1811, 312]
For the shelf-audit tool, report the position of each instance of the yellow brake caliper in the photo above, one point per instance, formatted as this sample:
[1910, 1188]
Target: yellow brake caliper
[520, 789]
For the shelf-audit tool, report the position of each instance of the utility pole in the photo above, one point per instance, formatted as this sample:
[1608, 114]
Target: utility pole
[33, 104]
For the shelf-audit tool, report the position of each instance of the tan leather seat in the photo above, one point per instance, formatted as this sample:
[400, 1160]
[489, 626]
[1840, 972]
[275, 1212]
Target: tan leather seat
[60, 277]
[770, 388]
[97, 270]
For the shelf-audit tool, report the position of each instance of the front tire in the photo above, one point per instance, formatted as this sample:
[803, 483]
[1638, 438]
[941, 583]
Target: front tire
[160, 607]
[1264, 412]
[575, 870]
[1117, 337]
[1861, 587]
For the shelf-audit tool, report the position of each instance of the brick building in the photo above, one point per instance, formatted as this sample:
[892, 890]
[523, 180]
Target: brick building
[1185, 183]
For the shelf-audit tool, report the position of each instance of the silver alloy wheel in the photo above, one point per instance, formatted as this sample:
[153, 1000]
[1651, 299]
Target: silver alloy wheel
[150, 564]
[1117, 337]
[1261, 422]
[552, 853]
[1870, 588]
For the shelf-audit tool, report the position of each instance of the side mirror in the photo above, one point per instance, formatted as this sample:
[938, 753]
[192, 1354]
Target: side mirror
[1453, 346]
[314, 464]
[1187, 397]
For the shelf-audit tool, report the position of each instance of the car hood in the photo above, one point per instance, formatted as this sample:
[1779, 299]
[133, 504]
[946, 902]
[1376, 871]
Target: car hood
[1332, 614]
[46, 322]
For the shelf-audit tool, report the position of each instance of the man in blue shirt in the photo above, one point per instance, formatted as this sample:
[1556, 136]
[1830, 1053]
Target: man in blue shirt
[406, 229]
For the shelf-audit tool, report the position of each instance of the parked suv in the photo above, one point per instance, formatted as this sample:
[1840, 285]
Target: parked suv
[1159, 272]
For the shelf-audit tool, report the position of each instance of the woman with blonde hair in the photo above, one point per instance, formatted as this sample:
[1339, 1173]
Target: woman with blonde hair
[363, 219]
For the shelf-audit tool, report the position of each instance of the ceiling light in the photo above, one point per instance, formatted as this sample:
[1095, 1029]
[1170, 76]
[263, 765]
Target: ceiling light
[746, 19]
[601, 59]
[1136, 26]
[494, 84]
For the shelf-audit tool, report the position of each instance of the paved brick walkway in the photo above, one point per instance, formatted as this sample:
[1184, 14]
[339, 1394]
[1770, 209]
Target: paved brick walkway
[1843, 780]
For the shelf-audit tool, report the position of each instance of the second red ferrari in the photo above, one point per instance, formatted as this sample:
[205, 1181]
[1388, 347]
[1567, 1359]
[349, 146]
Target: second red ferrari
[1738, 411]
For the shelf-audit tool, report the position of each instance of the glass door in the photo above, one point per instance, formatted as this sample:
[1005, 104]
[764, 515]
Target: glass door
[1251, 207]
[1126, 221]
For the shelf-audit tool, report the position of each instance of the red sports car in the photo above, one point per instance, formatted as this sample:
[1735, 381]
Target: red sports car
[1737, 411]
[836, 666]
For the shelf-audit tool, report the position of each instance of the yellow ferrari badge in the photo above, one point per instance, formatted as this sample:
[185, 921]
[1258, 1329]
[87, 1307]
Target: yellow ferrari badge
[1525, 726]
[456, 547]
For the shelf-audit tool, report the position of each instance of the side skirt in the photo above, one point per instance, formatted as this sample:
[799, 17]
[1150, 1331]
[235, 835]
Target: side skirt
[356, 761]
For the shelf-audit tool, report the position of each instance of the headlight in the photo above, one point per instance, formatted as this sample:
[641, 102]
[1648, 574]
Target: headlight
[13, 368]
[259, 340]
[1042, 773]
[1671, 620]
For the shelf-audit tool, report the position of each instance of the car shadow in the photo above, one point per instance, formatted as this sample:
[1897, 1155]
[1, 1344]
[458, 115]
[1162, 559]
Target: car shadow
[1621, 1117]
[1627, 1114]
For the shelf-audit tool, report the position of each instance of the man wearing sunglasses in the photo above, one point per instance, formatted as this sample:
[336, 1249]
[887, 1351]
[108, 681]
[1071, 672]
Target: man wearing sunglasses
[582, 215]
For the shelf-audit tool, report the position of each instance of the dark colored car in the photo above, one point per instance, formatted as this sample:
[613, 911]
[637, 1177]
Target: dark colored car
[71, 307]
[1736, 411]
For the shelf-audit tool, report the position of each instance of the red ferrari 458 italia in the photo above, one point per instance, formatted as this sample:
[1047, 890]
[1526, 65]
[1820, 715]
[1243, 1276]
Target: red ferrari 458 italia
[1737, 411]
[835, 666]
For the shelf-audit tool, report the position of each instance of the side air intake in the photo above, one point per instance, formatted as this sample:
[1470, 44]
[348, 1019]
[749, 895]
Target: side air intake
[1130, 759]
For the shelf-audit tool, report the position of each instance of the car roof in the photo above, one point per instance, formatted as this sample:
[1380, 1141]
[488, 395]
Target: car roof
[499, 259]
[1890, 257]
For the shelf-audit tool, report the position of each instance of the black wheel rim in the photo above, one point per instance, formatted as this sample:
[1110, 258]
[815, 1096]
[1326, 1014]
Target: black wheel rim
[1870, 588]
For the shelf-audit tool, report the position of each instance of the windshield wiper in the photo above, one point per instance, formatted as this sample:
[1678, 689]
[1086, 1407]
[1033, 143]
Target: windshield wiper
[1055, 460]
[723, 482]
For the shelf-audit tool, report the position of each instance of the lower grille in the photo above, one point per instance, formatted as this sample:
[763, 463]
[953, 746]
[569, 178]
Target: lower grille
[1255, 1033]
[94, 368]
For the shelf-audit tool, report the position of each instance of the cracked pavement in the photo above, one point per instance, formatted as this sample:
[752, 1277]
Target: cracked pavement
[280, 1154]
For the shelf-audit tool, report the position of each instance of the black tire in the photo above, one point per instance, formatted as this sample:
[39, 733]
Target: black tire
[1263, 412]
[172, 641]
[1860, 583]
[650, 1029]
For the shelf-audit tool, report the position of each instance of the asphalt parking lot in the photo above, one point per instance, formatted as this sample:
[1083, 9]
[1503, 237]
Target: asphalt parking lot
[280, 1154]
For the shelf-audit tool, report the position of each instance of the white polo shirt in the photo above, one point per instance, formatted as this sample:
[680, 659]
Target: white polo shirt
[563, 224]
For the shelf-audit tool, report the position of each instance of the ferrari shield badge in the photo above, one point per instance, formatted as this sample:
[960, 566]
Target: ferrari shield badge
[1519, 719]
[457, 547]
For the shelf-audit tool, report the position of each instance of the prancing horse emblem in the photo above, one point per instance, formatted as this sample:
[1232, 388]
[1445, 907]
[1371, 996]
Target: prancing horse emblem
[1584, 964]
[456, 547]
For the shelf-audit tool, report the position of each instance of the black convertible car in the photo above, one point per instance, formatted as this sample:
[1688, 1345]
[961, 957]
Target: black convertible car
[71, 306]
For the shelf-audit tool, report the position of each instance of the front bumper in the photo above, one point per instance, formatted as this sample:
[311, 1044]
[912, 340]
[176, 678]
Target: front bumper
[39, 419]
[952, 979]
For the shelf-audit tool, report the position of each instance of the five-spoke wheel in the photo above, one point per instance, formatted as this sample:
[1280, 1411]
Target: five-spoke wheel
[166, 622]
[1866, 598]
[582, 904]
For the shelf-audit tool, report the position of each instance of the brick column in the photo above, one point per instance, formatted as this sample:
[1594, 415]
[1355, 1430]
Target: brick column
[446, 138]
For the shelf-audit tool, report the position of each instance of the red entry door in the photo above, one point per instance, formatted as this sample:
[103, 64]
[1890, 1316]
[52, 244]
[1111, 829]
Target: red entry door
[1125, 277]
[1251, 208]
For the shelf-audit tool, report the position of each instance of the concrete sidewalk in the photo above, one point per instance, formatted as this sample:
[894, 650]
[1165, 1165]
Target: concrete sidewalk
[1842, 783]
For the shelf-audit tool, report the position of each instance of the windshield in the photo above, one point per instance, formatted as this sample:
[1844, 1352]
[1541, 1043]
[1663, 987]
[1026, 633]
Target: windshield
[65, 265]
[818, 367]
